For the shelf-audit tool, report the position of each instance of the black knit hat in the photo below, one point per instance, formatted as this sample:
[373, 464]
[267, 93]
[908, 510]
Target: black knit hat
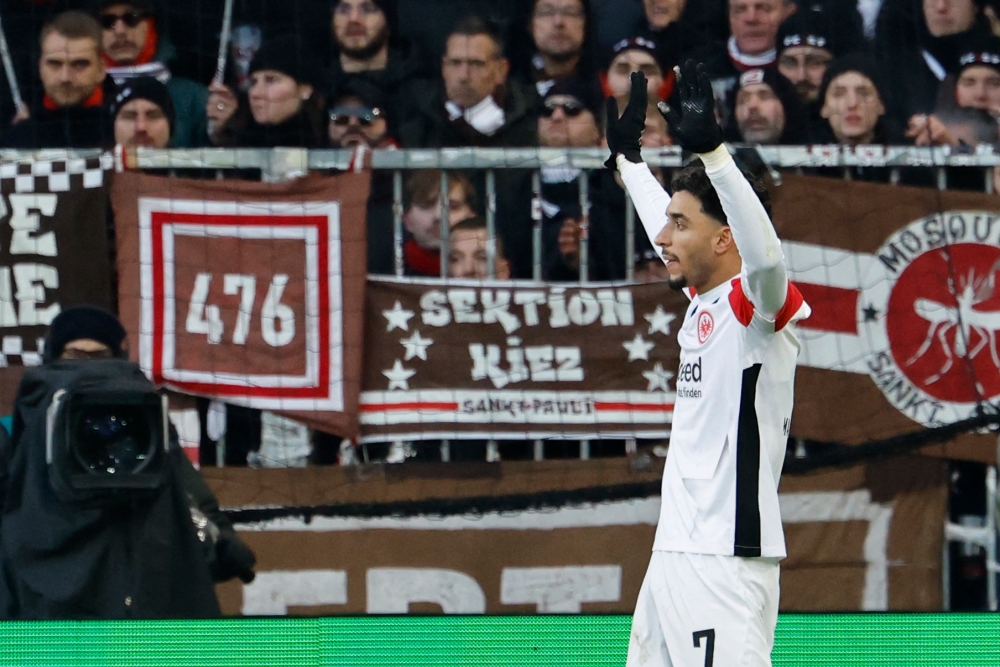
[285, 54]
[588, 93]
[634, 44]
[144, 88]
[144, 6]
[855, 62]
[982, 52]
[809, 27]
[84, 322]
[389, 7]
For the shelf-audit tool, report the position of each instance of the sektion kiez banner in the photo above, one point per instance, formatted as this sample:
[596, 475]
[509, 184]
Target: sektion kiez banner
[519, 359]
[54, 253]
[903, 284]
[247, 292]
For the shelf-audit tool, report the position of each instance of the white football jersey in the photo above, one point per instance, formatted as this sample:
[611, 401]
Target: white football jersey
[730, 426]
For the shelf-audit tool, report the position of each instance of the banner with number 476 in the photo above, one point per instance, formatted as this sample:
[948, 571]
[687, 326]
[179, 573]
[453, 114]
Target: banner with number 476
[247, 292]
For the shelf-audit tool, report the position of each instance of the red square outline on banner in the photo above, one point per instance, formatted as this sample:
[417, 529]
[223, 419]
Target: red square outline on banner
[158, 216]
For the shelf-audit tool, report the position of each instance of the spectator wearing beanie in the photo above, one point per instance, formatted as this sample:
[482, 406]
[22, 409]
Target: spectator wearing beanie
[977, 81]
[807, 42]
[85, 332]
[282, 107]
[368, 46]
[767, 110]
[134, 46]
[636, 54]
[940, 33]
[143, 114]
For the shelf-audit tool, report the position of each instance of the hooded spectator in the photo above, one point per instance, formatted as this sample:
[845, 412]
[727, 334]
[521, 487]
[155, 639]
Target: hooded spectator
[368, 47]
[560, 41]
[282, 107]
[767, 110]
[72, 112]
[940, 32]
[135, 47]
[854, 103]
[143, 114]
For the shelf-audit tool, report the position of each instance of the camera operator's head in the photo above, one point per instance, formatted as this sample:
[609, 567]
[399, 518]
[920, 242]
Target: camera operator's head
[85, 332]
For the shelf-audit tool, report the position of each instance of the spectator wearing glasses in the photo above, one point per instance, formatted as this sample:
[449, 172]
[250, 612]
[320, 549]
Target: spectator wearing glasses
[560, 44]
[72, 112]
[357, 118]
[477, 105]
[568, 118]
[135, 47]
[282, 106]
[368, 46]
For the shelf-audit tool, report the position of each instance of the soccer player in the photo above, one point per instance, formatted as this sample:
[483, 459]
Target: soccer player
[710, 595]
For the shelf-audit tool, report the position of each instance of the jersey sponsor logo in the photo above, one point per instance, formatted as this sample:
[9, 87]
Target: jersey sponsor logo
[690, 371]
[706, 325]
[933, 314]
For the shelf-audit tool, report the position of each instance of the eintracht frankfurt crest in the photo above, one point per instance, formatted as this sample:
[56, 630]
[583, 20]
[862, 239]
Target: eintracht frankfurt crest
[930, 308]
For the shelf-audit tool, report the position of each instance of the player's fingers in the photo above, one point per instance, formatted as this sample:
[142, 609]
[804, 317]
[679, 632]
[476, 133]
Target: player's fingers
[689, 75]
[638, 97]
[704, 83]
[612, 112]
[673, 120]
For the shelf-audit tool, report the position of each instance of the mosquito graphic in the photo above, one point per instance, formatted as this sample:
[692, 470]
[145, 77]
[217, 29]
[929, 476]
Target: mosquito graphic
[964, 319]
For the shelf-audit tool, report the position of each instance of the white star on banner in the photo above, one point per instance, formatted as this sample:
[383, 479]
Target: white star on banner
[659, 320]
[416, 346]
[658, 378]
[638, 348]
[398, 317]
[399, 376]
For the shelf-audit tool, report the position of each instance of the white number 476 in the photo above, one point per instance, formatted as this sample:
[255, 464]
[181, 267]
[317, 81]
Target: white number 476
[277, 320]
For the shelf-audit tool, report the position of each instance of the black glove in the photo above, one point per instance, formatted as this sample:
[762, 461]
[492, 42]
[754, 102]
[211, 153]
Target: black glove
[695, 128]
[232, 559]
[623, 133]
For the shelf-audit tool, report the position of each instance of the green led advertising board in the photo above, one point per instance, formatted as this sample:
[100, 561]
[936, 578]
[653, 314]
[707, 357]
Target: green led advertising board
[818, 640]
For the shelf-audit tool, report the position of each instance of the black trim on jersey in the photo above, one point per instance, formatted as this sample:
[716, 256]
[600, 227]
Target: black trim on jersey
[747, 543]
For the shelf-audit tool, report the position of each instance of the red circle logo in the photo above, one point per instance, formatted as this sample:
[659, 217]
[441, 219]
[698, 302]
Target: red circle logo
[706, 325]
[943, 322]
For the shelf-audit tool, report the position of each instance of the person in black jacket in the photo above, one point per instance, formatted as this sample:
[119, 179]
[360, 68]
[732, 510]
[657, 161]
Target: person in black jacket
[283, 106]
[72, 112]
[153, 554]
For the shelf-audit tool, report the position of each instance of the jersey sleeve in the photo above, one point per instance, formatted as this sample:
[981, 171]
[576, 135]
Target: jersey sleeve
[649, 197]
[766, 284]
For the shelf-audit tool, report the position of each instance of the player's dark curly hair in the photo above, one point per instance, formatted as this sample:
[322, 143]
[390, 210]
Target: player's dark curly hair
[693, 179]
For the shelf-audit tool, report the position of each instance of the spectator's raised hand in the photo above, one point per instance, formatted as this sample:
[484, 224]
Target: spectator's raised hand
[694, 127]
[569, 242]
[222, 104]
[623, 133]
[927, 130]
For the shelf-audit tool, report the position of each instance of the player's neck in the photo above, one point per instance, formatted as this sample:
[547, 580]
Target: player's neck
[725, 272]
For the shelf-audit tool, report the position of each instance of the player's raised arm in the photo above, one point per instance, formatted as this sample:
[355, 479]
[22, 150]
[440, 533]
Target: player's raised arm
[697, 130]
[623, 135]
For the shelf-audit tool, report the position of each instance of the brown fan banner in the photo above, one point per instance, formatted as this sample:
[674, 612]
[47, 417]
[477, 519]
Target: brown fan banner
[54, 254]
[248, 292]
[469, 359]
[903, 284]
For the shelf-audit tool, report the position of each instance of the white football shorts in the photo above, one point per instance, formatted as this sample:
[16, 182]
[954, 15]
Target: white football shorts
[700, 610]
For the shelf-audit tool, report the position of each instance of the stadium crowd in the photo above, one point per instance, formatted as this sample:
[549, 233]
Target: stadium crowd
[515, 73]
[383, 73]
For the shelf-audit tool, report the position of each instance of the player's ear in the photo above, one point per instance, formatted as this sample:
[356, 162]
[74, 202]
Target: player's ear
[724, 240]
